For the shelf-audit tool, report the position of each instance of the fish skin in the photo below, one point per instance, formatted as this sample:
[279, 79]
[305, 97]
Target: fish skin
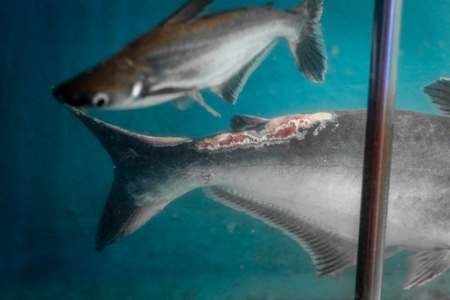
[187, 53]
[301, 174]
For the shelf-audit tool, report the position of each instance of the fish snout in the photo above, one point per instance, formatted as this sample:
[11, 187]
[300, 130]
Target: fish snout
[77, 100]
[68, 98]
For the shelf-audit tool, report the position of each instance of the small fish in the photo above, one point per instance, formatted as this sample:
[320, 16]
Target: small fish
[187, 53]
[301, 174]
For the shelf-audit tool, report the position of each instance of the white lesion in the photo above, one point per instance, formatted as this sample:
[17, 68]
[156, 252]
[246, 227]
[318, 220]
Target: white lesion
[228, 140]
[272, 133]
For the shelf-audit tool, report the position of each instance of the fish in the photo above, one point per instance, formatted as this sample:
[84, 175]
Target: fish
[188, 52]
[301, 174]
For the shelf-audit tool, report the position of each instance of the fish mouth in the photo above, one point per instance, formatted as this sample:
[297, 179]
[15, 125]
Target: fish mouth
[58, 95]
[70, 99]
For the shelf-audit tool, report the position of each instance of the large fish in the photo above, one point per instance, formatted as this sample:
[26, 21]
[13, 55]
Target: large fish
[188, 53]
[301, 174]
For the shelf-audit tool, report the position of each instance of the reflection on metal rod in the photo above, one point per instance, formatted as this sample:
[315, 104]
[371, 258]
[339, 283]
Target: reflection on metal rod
[377, 156]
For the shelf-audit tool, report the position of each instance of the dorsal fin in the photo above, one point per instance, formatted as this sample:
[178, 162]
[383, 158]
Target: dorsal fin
[439, 92]
[244, 122]
[269, 4]
[331, 252]
[189, 11]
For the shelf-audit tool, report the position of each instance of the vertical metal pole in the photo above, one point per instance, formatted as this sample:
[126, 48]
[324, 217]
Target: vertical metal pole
[377, 155]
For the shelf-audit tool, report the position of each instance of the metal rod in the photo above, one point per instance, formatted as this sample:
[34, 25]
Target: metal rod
[377, 155]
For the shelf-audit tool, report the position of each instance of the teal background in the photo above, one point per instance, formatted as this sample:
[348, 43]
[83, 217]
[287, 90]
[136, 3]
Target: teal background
[54, 175]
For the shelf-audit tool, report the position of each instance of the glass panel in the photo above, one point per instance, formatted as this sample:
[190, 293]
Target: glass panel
[55, 176]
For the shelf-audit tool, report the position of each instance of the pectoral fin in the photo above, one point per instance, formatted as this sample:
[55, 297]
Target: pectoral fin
[425, 266]
[231, 88]
[331, 253]
[191, 10]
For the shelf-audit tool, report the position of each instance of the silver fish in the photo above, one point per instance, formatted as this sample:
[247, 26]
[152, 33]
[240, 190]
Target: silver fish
[188, 53]
[301, 174]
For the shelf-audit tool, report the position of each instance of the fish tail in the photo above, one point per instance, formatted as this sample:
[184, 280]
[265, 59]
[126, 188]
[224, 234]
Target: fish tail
[309, 49]
[439, 93]
[138, 191]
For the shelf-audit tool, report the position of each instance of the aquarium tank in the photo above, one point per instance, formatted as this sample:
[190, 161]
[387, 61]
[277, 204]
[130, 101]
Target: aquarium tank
[56, 176]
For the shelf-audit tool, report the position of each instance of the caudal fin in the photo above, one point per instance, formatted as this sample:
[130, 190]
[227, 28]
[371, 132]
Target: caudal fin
[138, 191]
[122, 215]
[309, 51]
[439, 92]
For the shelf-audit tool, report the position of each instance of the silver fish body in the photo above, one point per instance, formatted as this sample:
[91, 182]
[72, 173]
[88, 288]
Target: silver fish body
[301, 174]
[186, 54]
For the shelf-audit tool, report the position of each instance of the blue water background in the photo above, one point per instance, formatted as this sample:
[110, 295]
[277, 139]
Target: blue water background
[54, 175]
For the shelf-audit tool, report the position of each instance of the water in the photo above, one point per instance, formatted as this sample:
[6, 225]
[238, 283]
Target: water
[55, 176]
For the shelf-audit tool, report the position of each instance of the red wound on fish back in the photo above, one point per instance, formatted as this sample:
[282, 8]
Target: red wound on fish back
[275, 131]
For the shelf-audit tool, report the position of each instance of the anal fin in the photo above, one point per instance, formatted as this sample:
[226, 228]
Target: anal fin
[331, 253]
[425, 266]
[232, 87]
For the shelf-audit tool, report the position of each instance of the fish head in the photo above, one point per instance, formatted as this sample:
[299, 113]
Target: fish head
[112, 84]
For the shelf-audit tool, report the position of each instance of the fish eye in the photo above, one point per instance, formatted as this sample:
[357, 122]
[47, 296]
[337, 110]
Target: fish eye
[100, 99]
